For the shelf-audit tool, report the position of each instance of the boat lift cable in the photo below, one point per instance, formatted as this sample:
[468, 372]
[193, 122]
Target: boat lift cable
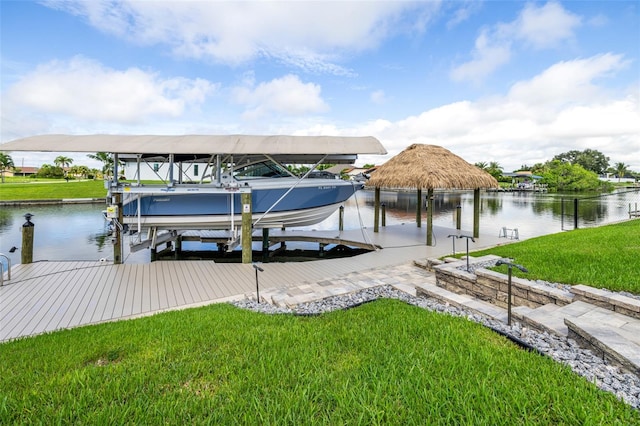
[365, 236]
[288, 191]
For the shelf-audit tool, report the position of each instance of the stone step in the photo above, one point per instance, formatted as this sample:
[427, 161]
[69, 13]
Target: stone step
[613, 336]
[462, 301]
[550, 317]
[615, 302]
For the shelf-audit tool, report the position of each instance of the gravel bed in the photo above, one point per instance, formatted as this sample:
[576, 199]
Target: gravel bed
[624, 385]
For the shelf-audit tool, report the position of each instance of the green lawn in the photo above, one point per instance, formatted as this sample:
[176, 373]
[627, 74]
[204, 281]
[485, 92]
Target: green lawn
[381, 363]
[604, 257]
[52, 189]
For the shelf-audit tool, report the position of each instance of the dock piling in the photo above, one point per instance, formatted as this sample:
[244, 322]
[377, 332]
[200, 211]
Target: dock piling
[27, 239]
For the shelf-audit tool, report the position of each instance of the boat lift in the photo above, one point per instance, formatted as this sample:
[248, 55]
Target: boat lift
[286, 149]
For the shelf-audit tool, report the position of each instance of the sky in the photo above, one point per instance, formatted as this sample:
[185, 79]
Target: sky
[511, 82]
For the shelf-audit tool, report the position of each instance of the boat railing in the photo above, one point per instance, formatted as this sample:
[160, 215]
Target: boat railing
[2, 269]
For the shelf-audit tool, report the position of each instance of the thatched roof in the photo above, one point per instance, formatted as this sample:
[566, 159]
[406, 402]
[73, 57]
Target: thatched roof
[430, 167]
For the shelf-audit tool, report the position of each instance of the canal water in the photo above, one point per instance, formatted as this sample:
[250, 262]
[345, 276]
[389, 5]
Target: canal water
[79, 232]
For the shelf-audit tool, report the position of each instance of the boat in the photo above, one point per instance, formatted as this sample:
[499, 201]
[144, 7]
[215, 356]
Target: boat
[278, 199]
[240, 164]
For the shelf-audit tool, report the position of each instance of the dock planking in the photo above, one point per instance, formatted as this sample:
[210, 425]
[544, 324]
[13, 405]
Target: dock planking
[45, 296]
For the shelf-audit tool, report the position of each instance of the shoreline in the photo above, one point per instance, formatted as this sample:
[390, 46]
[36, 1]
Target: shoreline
[53, 201]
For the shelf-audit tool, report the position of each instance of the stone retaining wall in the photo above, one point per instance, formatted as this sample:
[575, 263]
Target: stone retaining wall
[493, 286]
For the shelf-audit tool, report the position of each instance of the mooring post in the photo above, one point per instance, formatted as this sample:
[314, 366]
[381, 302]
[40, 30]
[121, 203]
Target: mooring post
[575, 213]
[247, 229]
[178, 251]
[458, 217]
[341, 219]
[419, 208]
[265, 243]
[476, 213]
[384, 214]
[117, 234]
[27, 239]
[376, 210]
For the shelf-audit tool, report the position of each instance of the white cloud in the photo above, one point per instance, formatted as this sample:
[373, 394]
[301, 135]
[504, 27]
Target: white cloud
[85, 90]
[287, 95]
[541, 27]
[545, 26]
[463, 11]
[307, 34]
[489, 54]
[568, 82]
[563, 108]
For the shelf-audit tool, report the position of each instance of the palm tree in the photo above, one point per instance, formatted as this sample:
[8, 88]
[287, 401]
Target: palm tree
[6, 163]
[106, 160]
[482, 165]
[621, 170]
[62, 161]
[495, 169]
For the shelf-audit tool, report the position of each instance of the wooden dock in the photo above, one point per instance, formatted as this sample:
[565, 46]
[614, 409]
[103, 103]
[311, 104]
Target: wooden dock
[45, 296]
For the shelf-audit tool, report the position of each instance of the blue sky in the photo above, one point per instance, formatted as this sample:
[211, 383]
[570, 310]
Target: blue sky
[507, 81]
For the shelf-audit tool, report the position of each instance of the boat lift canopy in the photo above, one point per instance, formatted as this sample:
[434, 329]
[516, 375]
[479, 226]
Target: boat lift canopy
[284, 148]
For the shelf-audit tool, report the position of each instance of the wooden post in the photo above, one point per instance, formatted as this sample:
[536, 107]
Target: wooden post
[476, 213]
[178, 253]
[429, 217]
[27, 239]
[117, 235]
[384, 214]
[376, 210]
[245, 198]
[265, 244]
[419, 208]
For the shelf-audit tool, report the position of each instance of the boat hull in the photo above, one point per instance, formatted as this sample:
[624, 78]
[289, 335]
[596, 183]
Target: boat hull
[308, 203]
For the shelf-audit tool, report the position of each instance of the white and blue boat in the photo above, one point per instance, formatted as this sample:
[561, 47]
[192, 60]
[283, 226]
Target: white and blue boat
[278, 199]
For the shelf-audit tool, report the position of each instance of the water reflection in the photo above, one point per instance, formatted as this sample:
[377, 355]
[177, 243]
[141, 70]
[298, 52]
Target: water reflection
[79, 232]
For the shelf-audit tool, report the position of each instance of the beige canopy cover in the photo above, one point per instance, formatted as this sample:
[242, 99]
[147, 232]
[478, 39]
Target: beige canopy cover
[198, 144]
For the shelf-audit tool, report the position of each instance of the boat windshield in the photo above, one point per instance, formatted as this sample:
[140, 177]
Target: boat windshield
[263, 169]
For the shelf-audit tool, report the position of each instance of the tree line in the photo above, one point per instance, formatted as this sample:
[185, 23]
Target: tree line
[62, 167]
[570, 171]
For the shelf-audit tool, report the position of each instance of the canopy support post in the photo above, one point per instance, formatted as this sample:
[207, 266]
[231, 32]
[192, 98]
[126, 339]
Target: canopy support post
[429, 217]
[376, 210]
[419, 208]
[246, 227]
[476, 213]
[117, 231]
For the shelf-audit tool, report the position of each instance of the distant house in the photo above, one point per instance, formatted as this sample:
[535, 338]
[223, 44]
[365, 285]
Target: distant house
[22, 171]
[525, 180]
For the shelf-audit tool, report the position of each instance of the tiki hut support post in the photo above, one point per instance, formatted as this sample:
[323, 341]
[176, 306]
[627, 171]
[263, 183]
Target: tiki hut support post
[376, 209]
[419, 208]
[429, 217]
[476, 212]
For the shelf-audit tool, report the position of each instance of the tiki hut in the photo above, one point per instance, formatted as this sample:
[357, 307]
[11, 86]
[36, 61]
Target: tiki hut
[430, 167]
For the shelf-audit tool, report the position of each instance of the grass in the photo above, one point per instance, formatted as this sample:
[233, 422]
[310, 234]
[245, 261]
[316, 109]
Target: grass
[52, 189]
[381, 363]
[602, 257]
